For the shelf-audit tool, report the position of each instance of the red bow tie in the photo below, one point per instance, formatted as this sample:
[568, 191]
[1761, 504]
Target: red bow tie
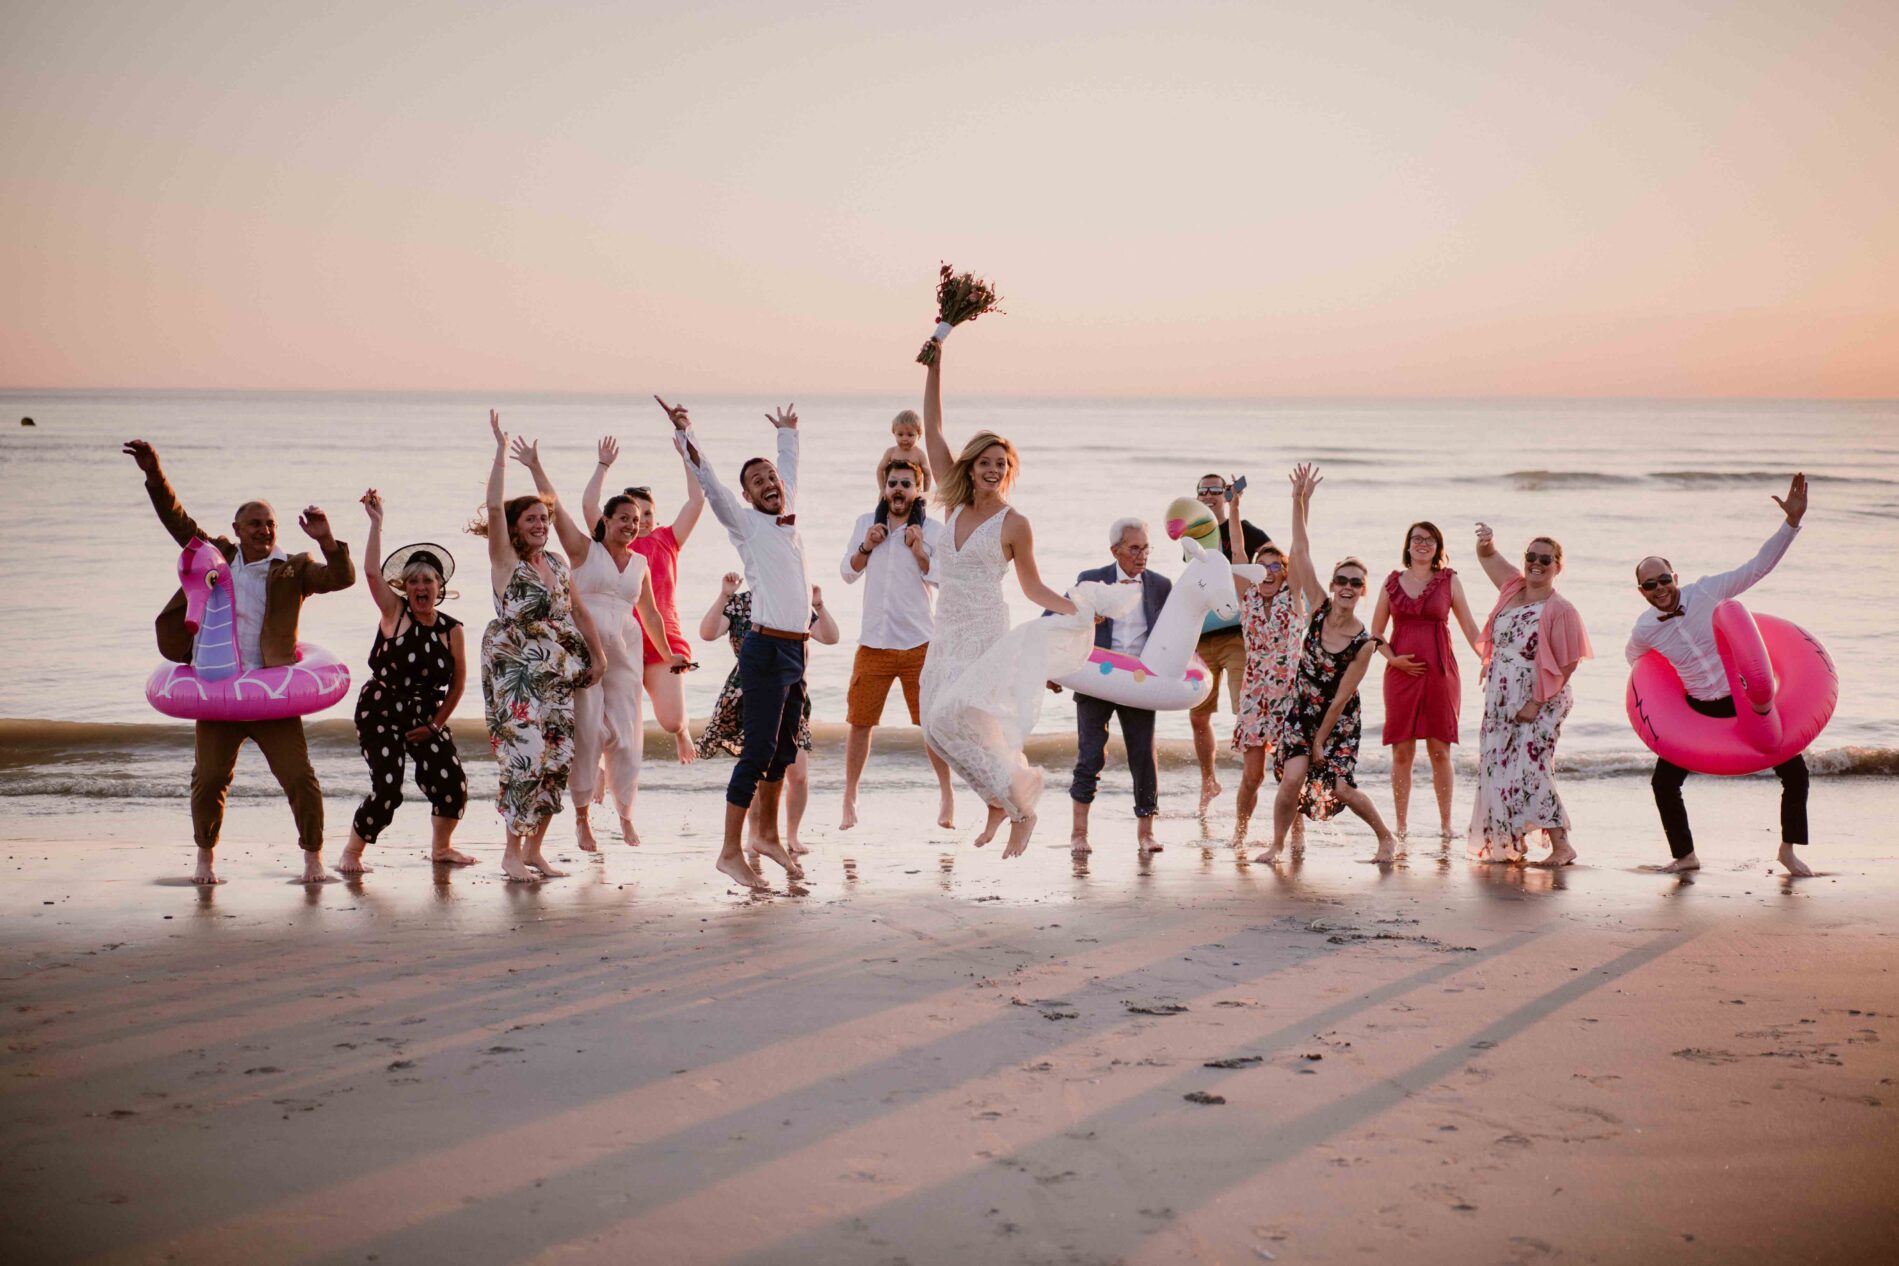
[1676, 614]
[787, 520]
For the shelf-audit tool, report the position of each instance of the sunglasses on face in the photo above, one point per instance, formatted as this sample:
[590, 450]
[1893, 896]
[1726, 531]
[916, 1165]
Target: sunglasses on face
[1656, 582]
[1273, 569]
[1348, 582]
[1213, 491]
[1541, 560]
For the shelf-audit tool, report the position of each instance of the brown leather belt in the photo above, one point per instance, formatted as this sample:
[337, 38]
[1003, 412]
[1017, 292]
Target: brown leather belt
[780, 634]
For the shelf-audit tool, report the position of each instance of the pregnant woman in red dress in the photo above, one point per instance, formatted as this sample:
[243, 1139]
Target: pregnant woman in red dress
[1422, 686]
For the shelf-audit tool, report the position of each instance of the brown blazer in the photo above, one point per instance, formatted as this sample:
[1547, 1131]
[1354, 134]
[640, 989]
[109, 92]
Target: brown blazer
[287, 585]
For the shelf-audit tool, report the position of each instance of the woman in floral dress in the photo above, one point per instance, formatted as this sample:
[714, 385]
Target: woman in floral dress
[1270, 611]
[1316, 756]
[1531, 645]
[538, 651]
[731, 616]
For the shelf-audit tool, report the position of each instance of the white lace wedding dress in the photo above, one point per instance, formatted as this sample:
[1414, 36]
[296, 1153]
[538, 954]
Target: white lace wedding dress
[984, 682]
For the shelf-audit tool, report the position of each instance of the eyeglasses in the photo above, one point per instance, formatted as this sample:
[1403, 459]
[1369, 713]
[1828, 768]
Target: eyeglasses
[1348, 582]
[1214, 490]
[1656, 582]
[1137, 549]
[1541, 560]
[1424, 540]
[1273, 569]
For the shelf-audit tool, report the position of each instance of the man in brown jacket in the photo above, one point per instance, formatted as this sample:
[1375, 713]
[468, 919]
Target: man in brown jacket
[270, 587]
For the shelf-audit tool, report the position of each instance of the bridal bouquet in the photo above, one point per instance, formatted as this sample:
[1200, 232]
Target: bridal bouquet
[960, 297]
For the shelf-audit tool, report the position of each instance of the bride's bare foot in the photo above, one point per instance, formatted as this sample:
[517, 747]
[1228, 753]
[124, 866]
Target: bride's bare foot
[735, 869]
[1793, 864]
[687, 752]
[773, 850]
[628, 835]
[849, 819]
[548, 869]
[946, 811]
[451, 857]
[583, 832]
[997, 814]
[350, 861]
[1019, 832]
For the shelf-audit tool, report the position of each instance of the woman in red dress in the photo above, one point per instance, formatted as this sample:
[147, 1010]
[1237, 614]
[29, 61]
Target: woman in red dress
[1422, 686]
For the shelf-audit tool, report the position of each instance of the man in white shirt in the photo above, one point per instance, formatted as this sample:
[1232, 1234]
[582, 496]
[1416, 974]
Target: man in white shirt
[1680, 625]
[1127, 541]
[890, 550]
[771, 660]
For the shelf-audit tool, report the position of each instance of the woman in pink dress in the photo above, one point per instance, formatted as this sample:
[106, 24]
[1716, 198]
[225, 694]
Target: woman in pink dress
[1422, 685]
[665, 685]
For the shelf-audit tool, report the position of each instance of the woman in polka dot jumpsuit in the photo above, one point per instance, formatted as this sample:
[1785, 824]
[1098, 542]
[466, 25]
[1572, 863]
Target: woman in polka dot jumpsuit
[417, 669]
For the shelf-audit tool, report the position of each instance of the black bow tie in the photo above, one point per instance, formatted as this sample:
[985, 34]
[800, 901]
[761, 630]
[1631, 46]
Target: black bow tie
[787, 520]
[1676, 614]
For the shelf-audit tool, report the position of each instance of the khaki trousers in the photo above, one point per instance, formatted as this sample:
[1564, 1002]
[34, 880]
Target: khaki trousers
[284, 750]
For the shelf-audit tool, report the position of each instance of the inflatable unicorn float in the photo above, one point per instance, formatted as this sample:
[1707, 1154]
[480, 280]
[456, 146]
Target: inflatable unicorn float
[214, 686]
[1168, 676]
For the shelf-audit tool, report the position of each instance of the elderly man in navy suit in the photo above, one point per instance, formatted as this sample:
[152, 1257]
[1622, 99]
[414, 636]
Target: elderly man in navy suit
[1127, 541]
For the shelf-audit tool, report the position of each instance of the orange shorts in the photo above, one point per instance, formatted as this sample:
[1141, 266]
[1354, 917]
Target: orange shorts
[871, 674]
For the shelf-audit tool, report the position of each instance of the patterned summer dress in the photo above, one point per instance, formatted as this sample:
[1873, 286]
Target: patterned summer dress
[1272, 660]
[1516, 782]
[532, 659]
[1313, 689]
[725, 728]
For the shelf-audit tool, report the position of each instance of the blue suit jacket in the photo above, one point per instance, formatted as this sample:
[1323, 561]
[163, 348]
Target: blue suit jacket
[1154, 591]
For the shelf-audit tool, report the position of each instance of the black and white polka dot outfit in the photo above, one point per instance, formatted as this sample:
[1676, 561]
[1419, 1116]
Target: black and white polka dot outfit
[410, 675]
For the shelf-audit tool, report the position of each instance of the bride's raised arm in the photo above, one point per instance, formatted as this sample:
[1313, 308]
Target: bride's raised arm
[1018, 543]
[941, 459]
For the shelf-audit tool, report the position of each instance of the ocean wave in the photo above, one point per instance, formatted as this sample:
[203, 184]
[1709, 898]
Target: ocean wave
[1536, 480]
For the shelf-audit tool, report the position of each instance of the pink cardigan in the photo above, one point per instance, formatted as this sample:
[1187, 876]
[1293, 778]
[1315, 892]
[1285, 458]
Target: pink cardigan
[1561, 640]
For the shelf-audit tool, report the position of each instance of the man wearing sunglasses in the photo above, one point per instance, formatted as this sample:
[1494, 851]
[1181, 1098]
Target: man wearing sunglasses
[1222, 646]
[1680, 625]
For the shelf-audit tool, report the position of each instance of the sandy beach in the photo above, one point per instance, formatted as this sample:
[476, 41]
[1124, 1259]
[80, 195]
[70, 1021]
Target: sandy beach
[927, 1055]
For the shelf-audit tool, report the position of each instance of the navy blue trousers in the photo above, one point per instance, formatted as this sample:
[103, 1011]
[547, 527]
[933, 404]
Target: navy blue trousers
[1091, 751]
[771, 693]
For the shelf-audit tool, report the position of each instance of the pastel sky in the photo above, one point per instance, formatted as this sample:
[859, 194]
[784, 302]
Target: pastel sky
[1486, 197]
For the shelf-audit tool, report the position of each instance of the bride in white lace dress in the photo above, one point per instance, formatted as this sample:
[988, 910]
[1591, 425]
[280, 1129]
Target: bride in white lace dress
[976, 720]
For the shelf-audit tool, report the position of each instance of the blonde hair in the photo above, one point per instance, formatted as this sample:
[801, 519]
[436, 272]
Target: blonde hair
[1353, 560]
[1556, 546]
[959, 485]
[907, 418]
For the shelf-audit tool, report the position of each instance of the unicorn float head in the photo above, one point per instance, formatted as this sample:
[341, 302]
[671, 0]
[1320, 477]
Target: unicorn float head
[1168, 676]
[215, 686]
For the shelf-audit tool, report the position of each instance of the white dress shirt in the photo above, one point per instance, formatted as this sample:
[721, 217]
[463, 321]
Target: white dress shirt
[251, 588]
[771, 552]
[1129, 633]
[897, 614]
[1688, 640]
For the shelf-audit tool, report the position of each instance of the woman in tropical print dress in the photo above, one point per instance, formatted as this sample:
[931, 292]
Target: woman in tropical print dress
[538, 651]
[1270, 611]
[1531, 644]
[1317, 756]
[731, 616]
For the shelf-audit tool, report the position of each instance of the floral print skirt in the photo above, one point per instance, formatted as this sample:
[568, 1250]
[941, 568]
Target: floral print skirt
[1516, 778]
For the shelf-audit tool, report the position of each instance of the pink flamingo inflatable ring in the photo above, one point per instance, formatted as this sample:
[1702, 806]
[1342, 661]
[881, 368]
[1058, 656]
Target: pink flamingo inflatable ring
[214, 686]
[1769, 662]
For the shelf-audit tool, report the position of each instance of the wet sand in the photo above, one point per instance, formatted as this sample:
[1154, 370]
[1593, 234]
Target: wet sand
[931, 1055]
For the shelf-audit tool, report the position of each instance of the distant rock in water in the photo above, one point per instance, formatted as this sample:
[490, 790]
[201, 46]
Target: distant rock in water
[28, 422]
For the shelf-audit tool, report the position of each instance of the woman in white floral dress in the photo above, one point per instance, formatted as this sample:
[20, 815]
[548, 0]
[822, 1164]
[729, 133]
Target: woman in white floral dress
[1531, 645]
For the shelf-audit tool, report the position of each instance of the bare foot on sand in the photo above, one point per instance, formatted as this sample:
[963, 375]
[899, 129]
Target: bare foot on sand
[1144, 837]
[1240, 826]
[548, 869]
[583, 833]
[451, 857]
[1210, 790]
[946, 811]
[773, 850]
[202, 873]
[997, 814]
[1560, 855]
[849, 819]
[314, 872]
[513, 868]
[1793, 864]
[687, 752]
[1019, 832]
[351, 861]
[1078, 844]
[1681, 865]
[1388, 851]
[796, 847]
[1269, 855]
[735, 869]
